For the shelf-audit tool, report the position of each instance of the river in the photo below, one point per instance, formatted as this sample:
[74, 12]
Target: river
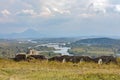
[59, 49]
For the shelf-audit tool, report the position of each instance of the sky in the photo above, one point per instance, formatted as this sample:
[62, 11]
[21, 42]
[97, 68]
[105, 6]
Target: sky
[61, 17]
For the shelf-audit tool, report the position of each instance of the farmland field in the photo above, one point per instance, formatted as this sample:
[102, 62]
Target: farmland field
[92, 51]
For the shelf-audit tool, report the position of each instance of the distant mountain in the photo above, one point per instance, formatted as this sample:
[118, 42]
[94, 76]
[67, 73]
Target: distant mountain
[30, 33]
[97, 41]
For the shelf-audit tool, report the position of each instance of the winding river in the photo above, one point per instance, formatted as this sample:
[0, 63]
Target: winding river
[59, 49]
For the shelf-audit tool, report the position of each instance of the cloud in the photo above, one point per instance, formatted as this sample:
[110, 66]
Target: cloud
[78, 7]
[86, 15]
[5, 12]
[45, 12]
[43, 8]
[26, 12]
[61, 7]
[54, 7]
[99, 5]
[117, 8]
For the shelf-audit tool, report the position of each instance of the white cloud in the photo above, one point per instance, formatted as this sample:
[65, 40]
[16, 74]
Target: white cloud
[47, 8]
[28, 12]
[99, 5]
[54, 7]
[5, 12]
[117, 8]
[86, 15]
[45, 12]
[61, 7]
[61, 11]
[77, 7]
[57, 10]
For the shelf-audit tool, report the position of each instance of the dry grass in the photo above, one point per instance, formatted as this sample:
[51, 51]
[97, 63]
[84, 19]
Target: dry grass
[43, 70]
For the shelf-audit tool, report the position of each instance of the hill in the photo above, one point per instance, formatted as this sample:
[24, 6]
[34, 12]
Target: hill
[97, 41]
[29, 33]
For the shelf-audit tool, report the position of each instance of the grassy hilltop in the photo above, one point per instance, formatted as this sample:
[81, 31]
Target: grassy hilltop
[43, 70]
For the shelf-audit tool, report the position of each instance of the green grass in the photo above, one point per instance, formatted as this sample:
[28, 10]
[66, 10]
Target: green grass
[93, 51]
[43, 70]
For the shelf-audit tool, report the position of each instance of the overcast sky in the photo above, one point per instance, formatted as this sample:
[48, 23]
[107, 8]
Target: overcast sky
[61, 17]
